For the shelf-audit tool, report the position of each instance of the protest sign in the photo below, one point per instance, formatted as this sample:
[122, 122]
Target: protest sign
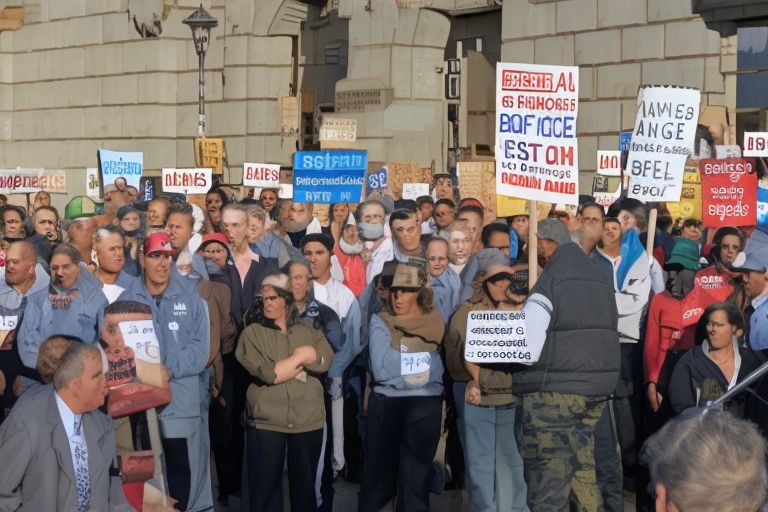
[400, 172]
[762, 204]
[728, 192]
[689, 205]
[415, 190]
[210, 153]
[261, 175]
[376, 179]
[413, 363]
[329, 176]
[609, 163]
[478, 180]
[755, 143]
[119, 164]
[606, 190]
[92, 185]
[337, 129]
[187, 181]
[499, 337]
[23, 181]
[727, 151]
[536, 147]
[661, 142]
[288, 107]
[285, 191]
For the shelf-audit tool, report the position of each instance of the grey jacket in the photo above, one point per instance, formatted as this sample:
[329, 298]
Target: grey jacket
[37, 473]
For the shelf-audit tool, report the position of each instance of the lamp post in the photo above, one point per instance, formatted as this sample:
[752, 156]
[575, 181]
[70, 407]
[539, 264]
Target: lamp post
[201, 24]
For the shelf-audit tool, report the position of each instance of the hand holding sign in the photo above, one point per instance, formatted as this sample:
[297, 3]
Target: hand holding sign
[498, 337]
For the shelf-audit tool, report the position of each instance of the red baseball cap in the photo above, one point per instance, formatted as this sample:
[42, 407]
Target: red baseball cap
[158, 242]
[218, 238]
[471, 201]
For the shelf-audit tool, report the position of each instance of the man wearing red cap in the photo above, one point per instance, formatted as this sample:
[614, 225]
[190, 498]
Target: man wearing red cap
[182, 327]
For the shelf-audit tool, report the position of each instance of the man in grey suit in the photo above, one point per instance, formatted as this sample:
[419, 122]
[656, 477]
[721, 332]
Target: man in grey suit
[57, 447]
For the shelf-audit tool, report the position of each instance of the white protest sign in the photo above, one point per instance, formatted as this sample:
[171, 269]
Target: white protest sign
[609, 163]
[536, 147]
[187, 181]
[412, 363]
[498, 337]
[661, 142]
[92, 182]
[22, 181]
[337, 129]
[285, 191]
[755, 143]
[723, 151]
[140, 336]
[261, 175]
[415, 190]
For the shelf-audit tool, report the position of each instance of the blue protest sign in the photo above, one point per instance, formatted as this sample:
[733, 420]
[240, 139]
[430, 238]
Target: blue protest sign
[120, 164]
[624, 140]
[329, 176]
[377, 179]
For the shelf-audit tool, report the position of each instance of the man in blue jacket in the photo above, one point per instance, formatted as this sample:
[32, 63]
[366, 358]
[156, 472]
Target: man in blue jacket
[182, 327]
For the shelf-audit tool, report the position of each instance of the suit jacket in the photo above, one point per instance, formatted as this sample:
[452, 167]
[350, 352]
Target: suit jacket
[37, 473]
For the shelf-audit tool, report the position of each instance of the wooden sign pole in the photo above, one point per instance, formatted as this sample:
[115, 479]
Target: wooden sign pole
[651, 231]
[533, 255]
[155, 442]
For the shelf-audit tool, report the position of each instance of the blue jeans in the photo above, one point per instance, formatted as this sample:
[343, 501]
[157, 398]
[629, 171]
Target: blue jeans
[494, 466]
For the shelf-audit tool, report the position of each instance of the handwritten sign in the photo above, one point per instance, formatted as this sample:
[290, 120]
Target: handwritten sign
[478, 180]
[689, 205]
[412, 363]
[187, 181]
[92, 188]
[609, 163]
[405, 172]
[337, 129]
[661, 142]
[723, 151]
[498, 337]
[261, 175]
[415, 190]
[728, 192]
[120, 164]
[288, 107]
[755, 143]
[536, 147]
[329, 176]
[376, 179]
[22, 181]
[606, 190]
[140, 336]
[210, 153]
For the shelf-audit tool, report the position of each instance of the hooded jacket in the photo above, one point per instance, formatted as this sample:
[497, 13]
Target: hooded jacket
[181, 322]
[580, 354]
[79, 316]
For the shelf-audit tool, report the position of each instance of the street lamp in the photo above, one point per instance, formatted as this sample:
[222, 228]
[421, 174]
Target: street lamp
[201, 24]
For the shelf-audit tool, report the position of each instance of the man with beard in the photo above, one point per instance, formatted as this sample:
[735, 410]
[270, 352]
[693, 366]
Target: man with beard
[298, 220]
[23, 277]
[71, 306]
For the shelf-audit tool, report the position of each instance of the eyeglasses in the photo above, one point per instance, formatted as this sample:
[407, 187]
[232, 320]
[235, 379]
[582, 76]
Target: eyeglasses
[270, 298]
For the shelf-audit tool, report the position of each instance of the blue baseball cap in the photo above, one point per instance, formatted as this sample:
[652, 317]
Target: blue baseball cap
[756, 261]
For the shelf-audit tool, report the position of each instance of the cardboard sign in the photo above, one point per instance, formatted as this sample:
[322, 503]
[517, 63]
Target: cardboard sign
[731, 151]
[536, 147]
[661, 142]
[415, 190]
[261, 175]
[23, 181]
[288, 108]
[755, 143]
[329, 176]
[689, 205]
[120, 164]
[405, 172]
[187, 181]
[412, 363]
[140, 336]
[337, 129]
[92, 184]
[478, 180]
[728, 192]
[609, 163]
[498, 337]
[210, 153]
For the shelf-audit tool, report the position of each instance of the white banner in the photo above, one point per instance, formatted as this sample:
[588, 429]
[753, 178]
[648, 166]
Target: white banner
[415, 190]
[337, 129]
[261, 175]
[187, 181]
[755, 144]
[498, 337]
[23, 181]
[661, 142]
[536, 147]
[609, 163]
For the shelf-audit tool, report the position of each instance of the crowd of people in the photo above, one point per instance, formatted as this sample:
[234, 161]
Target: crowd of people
[335, 348]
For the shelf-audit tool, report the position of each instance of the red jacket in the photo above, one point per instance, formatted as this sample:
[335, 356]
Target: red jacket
[671, 325]
[354, 270]
[715, 283]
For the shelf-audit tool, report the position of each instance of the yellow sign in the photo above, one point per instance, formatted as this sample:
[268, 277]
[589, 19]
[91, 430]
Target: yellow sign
[690, 197]
[210, 153]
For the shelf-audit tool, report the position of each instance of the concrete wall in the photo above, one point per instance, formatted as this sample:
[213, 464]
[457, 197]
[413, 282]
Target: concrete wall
[618, 45]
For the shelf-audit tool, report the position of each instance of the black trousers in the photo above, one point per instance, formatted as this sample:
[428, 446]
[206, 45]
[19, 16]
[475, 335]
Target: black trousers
[401, 439]
[177, 470]
[266, 452]
[225, 429]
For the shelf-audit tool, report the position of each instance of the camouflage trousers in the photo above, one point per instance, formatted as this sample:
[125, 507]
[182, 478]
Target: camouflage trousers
[557, 445]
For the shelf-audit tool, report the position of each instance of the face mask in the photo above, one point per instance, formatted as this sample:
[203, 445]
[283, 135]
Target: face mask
[351, 248]
[370, 231]
[132, 233]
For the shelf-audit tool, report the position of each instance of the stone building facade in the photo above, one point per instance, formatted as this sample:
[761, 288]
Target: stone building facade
[77, 75]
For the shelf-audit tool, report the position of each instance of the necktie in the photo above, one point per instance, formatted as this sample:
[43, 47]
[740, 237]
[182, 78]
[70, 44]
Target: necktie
[82, 477]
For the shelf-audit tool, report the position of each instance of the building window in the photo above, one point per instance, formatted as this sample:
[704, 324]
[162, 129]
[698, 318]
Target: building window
[752, 64]
[336, 53]
[470, 44]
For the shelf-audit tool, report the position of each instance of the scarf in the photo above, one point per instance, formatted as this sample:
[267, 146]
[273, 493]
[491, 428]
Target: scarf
[420, 333]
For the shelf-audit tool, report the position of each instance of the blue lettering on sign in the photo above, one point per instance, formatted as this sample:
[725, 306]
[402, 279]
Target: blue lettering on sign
[377, 179]
[625, 138]
[329, 176]
[121, 164]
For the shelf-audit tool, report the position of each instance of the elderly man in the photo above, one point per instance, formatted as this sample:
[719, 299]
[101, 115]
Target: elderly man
[564, 392]
[23, 277]
[71, 307]
[58, 447]
[80, 226]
